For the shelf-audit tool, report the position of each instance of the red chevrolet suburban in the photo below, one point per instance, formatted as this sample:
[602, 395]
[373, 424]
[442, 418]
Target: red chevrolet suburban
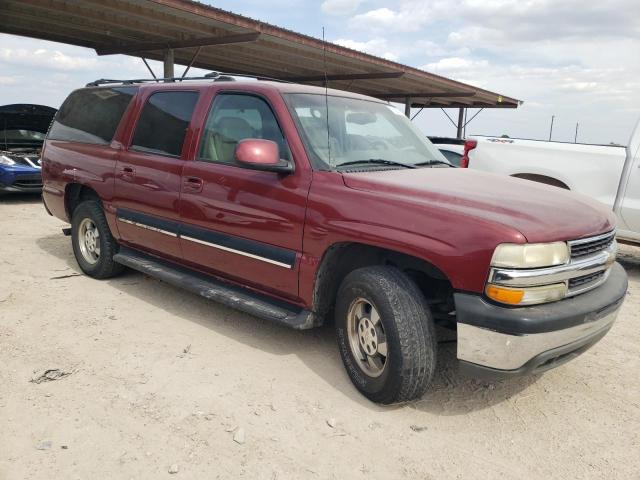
[304, 206]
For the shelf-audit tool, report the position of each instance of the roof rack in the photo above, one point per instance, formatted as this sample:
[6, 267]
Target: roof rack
[214, 76]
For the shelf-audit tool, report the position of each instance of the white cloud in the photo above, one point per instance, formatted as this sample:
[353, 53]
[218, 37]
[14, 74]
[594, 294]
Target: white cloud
[340, 7]
[375, 46]
[454, 64]
[9, 80]
[41, 57]
[380, 18]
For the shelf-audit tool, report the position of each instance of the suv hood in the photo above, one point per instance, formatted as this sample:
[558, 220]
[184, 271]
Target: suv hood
[541, 213]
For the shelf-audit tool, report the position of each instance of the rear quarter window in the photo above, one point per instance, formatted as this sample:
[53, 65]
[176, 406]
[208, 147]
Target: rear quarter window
[91, 115]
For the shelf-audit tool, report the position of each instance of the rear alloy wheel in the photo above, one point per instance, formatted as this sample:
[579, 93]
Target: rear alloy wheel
[89, 241]
[386, 334]
[93, 244]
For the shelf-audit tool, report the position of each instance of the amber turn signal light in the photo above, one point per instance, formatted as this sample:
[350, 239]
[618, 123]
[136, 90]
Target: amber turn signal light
[504, 295]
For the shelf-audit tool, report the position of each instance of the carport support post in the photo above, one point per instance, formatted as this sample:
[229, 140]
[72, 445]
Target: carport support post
[407, 107]
[460, 122]
[168, 63]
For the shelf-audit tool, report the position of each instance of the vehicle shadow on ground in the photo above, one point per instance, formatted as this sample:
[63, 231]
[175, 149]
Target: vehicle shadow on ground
[451, 392]
[20, 198]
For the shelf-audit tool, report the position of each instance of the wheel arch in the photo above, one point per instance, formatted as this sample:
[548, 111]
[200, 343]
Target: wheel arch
[75, 194]
[545, 179]
[342, 258]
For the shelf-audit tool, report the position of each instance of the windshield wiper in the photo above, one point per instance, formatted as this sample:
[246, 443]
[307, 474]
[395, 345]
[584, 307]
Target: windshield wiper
[380, 161]
[429, 163]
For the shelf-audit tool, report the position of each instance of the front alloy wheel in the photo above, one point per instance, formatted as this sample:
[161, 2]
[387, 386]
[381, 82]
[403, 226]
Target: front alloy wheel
[386, 334]
[366, 337]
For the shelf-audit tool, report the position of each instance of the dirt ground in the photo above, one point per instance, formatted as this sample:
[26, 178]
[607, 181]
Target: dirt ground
[164, 380]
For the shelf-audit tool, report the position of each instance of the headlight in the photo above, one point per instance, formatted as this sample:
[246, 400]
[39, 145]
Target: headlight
[531, 255]
[4, 160]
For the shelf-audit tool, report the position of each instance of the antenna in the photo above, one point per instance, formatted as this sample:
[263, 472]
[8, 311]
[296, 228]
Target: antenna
[326, 91]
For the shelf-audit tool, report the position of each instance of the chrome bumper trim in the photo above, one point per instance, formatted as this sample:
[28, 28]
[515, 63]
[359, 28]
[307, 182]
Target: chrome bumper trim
[509, 352]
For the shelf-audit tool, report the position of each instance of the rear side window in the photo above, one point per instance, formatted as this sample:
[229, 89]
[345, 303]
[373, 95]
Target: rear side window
[163, 123]
[91, 115]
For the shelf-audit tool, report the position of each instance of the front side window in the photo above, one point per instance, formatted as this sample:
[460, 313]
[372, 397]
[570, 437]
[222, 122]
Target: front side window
[234, 117]
[91, 115]
[357, 130]
[163, 123]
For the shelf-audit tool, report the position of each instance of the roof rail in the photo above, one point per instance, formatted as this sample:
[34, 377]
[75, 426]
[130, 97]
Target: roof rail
[214, 76]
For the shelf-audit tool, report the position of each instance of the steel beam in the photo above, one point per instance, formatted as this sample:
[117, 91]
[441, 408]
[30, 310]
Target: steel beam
[173, 44]
[349, 76]
[407, 107]
[422, 95]
[168, 63]
[460, 122]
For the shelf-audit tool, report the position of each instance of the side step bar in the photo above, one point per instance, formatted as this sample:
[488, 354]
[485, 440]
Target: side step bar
[233, 296]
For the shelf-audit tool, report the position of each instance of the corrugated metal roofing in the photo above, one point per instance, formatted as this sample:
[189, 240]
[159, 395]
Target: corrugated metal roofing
[148, 27]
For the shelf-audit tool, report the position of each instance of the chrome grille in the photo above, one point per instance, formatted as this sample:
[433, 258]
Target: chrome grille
[589, 246]
[579, 282]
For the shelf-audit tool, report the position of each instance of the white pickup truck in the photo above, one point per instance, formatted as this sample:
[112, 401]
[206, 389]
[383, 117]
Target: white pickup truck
[610, 174]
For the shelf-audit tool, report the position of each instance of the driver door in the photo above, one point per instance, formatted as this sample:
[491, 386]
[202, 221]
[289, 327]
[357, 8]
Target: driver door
[236, 222]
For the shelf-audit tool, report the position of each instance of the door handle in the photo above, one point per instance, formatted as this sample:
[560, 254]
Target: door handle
[128, 171]
[193, 184]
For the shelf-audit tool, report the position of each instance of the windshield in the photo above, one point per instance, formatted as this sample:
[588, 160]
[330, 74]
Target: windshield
[359, 131]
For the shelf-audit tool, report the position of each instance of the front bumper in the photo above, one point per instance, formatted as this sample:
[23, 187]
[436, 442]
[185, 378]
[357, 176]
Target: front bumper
[495, 341]
[20, 179]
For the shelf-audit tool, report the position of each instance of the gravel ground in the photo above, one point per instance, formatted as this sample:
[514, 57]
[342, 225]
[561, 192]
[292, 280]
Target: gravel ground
[163, 383]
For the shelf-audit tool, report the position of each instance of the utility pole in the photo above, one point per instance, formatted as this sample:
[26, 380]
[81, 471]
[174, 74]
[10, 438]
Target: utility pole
[551, 129]
[575, 138]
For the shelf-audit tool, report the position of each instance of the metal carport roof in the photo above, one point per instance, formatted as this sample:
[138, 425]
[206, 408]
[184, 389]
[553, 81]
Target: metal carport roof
[188, 33]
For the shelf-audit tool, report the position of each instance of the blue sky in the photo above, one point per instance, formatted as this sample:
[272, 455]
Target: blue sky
[576, 59]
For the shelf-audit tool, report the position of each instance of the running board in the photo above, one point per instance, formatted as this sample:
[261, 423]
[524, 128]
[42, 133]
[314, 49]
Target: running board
[233, 296]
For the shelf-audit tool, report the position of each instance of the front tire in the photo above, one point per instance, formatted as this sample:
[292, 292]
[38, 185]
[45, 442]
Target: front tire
[93, 244]
[386, 334]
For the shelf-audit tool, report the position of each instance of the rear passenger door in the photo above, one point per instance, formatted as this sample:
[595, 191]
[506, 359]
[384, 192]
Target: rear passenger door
[241, 223]
[148, 173]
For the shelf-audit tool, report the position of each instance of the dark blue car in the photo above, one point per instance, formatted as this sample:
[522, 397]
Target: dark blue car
[22, 131]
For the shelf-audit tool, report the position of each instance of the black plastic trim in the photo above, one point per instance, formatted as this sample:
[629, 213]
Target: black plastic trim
[259, 249]
[587, 307]
[148, 220]
[243, 245]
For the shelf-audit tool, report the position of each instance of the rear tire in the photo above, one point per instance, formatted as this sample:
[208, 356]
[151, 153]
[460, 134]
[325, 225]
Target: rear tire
[93, 244]
[386, 334]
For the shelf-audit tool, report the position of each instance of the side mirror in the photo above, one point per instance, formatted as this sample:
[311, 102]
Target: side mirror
[260, 154]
